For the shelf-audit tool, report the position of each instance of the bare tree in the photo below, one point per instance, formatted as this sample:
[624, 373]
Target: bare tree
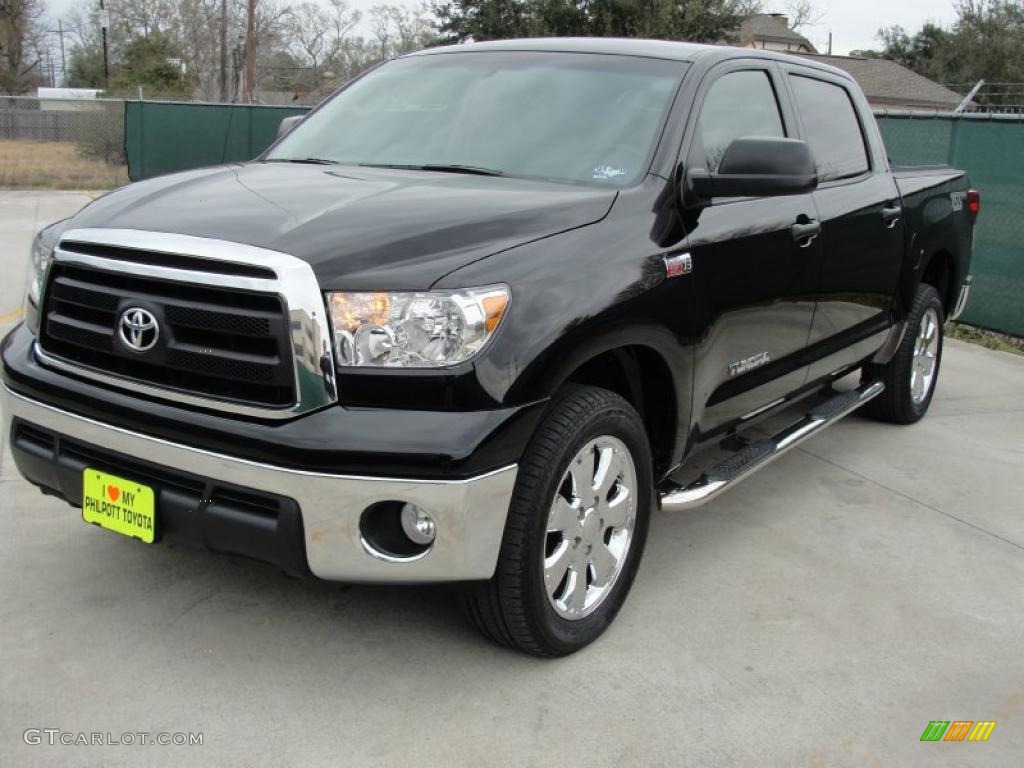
[271, 20]
[295, 50]
[249, 78]
[803, 14]
[22, 44]
[399, 30]
[317, 39]
[142, 18]
[307, 29]
[195, 29]
[343, 21]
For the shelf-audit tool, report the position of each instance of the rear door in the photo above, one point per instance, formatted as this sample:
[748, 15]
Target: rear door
[754, 273]
[858, 204]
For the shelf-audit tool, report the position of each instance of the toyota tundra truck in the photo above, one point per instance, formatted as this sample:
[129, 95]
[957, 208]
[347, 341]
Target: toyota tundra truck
[481, 313]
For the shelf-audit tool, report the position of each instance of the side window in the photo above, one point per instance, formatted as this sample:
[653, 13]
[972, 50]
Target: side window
[833, 131]
[738, 104]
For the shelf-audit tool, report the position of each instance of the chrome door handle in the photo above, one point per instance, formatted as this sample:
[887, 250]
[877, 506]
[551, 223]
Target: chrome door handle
[891, 215]
[804, 233]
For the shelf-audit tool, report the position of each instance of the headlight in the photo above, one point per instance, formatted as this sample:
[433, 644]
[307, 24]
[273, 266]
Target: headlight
[431, 329]
[42, 255]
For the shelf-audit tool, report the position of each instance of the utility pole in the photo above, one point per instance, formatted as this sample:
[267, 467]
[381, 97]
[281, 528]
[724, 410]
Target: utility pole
[250, 54]
[59, 31]
[104, 23]
[236, 68]
[224, 50]
[63, 61]
[829, 43]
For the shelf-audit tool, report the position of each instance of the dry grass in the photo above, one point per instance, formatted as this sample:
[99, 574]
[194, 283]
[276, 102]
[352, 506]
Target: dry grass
[989, 339]
[55, 165]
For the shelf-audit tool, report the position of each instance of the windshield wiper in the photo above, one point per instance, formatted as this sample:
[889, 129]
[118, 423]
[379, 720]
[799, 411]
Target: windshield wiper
[437, 167]
[308, 160]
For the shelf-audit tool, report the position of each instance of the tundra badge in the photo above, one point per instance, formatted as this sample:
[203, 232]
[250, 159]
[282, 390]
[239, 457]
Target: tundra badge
[749, 363]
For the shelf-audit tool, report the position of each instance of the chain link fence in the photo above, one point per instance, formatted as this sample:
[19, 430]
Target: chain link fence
[96, 126]
[62, 143]
[991, 149]
[1001, 98]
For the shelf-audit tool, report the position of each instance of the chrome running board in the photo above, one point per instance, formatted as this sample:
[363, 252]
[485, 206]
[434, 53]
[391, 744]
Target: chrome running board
[759, 454]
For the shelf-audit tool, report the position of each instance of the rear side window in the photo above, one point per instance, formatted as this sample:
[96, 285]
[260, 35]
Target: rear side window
[737, 105]
[833, 131]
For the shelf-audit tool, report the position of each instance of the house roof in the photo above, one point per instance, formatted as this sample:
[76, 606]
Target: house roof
[887, 82]
[770, 27]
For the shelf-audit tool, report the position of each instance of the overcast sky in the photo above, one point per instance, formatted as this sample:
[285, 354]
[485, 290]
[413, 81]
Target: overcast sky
[853, 23]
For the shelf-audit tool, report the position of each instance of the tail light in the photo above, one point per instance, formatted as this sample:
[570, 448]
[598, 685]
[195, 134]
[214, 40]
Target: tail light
[973, 204]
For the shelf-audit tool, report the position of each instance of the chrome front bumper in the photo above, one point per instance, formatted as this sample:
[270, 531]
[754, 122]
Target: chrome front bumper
[470, 514]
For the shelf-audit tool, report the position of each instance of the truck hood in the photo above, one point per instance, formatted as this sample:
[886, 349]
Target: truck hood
[359, 228]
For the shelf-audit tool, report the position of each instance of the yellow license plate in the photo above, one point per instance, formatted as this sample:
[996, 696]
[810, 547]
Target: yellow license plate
[119, 505]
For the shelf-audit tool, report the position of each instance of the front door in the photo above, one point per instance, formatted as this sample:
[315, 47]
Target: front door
[755, 269]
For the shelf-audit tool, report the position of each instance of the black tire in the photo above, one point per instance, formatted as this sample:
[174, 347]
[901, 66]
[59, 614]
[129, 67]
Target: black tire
[896, 405]
[513, 608]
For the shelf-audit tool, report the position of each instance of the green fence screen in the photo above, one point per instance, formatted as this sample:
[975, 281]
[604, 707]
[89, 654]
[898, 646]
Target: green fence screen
[161, 137]
[991, 150]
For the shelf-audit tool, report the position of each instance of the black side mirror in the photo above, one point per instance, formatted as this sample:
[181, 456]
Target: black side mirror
[757, 167]
[287, 124]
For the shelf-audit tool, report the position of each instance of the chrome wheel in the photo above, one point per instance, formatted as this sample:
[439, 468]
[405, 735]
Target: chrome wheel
[590, 527]
[926, 350]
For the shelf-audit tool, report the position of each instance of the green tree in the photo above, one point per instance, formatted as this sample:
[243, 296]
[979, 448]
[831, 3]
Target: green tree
[460, 20]
[926, 52]
[149, 62]
[986, 42]
[696, 20]
[85, 67]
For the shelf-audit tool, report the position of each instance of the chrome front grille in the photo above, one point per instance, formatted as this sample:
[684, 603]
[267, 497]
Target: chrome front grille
[241, 329]
[213, 341]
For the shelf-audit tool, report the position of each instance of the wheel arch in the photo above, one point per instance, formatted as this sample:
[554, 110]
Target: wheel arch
[940, 272]
[648, 367]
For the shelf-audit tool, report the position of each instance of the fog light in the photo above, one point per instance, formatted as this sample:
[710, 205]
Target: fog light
[417, 524]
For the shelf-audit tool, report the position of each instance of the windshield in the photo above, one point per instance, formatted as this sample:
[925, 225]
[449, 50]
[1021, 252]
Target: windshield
[569, 117]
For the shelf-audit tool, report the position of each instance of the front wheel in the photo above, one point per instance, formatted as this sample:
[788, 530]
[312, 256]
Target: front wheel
[576, 527]
[911, 375]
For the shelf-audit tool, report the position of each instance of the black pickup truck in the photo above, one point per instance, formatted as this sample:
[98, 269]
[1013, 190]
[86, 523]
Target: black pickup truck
[480, 313]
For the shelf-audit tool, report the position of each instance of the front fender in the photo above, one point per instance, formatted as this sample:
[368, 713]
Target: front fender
[585, 292]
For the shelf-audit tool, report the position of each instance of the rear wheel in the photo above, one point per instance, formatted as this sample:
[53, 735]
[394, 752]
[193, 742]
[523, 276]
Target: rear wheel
[911, 375]
[576, 528]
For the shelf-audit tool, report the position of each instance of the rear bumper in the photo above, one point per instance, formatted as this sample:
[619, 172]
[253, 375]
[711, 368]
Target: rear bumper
[318, 513]
[961, 302]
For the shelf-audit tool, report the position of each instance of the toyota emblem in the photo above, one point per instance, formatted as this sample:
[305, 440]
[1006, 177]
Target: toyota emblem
[138, 329]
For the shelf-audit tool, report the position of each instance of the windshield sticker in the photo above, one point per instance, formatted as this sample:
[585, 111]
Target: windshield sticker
[608, 172]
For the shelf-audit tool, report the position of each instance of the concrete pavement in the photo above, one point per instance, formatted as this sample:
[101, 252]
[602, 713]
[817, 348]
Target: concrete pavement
[821, 614]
